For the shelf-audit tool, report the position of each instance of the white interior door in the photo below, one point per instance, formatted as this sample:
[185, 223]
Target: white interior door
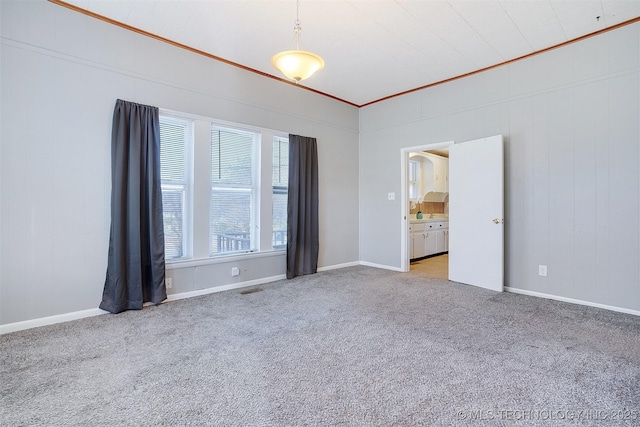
[476, 209]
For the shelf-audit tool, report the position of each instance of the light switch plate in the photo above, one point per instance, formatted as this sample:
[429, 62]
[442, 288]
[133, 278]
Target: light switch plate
[391, 196]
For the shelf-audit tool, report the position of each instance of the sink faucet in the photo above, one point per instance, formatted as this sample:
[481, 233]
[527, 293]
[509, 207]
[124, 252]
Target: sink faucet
[431, 215]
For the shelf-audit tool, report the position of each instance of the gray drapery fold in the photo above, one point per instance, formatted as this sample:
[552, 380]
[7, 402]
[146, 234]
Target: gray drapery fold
[302, 207]
[136, 269]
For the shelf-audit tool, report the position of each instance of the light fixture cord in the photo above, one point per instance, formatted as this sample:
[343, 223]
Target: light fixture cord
[297, 29]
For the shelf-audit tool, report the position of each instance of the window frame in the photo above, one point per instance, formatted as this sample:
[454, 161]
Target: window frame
[186, 183]
[279, 189]
[414, 167]
[253, 189]
[199, 229]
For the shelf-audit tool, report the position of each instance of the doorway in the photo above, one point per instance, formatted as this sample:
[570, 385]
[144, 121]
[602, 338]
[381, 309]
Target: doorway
[427, 229]
[476, 222]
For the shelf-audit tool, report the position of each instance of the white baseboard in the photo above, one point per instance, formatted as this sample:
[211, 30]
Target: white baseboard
[571, 300]
[190, 294]
[384, 267]
[50, 320]
[67, 317]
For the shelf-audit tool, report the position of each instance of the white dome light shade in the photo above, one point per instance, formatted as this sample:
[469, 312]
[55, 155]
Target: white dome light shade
[297, 64]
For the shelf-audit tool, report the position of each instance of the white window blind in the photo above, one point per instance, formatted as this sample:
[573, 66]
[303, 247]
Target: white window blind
[280, 184]
[233, 191]
[176, 136]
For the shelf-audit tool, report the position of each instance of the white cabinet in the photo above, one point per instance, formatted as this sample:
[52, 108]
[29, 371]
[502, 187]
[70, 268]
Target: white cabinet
[442, 232]
[417, 247]
[445, 174]
[428, 238]
[440, 245]
[430, 242]
[412, 233]
[418, 242]
[446, 240]
[440, 173]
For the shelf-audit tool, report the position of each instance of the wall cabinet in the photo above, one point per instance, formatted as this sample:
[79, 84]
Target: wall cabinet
[428, 238]
[440, 173]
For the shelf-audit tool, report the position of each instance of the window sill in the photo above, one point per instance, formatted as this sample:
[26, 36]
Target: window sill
[221, 259]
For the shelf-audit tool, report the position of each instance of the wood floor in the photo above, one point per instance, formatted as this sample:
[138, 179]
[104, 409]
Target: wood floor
[437, 266]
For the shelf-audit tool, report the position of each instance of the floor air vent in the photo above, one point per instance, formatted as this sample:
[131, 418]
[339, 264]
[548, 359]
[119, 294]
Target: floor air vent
[250, 291]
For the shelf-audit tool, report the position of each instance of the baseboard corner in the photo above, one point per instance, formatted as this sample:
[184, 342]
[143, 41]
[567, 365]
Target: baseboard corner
[337, 266]
[381, 266]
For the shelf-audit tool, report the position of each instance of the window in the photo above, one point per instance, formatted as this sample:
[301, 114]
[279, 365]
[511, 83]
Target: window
[224, 187]
[233, 191]
[175, 138]
[414, 190]
[280, 184]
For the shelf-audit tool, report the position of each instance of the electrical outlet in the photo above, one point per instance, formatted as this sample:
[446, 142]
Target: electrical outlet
[542, 270]
[168, 281]
[235, 271]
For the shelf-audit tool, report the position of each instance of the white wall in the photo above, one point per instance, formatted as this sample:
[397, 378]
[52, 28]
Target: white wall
[61, 73]
[571, 122]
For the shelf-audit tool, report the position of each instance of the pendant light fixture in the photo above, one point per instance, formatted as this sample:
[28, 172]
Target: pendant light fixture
[297, 64]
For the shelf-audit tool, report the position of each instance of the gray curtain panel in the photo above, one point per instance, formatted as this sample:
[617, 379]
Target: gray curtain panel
[135, 269]
[302, 207]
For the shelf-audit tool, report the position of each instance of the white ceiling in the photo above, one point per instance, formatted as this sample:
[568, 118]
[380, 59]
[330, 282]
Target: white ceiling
[372, 48]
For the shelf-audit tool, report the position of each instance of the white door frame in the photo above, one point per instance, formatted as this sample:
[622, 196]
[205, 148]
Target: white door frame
[404, 197]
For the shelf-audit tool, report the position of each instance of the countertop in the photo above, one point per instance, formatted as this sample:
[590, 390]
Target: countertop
[436, 218]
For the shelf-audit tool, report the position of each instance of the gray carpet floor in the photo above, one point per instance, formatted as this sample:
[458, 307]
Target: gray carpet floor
[352, 347]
